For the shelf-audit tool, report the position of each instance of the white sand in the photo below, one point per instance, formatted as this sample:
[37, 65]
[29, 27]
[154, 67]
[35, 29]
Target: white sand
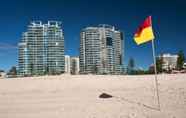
[78, 97]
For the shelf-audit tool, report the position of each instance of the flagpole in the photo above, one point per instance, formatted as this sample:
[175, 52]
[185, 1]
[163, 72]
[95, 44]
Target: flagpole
[155, 71]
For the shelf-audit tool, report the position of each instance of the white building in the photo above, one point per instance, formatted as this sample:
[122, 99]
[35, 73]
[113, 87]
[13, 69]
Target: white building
[67, 64]
[184, 65]
[2, 74]
[169, 61]
[74, 65]
[101, 50]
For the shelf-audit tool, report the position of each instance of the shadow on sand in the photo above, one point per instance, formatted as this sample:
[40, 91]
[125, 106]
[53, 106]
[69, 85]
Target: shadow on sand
[122, 99]
[137, 103]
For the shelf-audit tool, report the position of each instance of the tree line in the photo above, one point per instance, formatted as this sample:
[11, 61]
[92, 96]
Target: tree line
[131, 70]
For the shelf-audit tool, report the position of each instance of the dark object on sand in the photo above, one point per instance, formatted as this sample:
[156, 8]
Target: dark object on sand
[105, 95]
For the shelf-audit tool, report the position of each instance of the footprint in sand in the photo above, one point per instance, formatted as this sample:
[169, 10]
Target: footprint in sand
[132, 115]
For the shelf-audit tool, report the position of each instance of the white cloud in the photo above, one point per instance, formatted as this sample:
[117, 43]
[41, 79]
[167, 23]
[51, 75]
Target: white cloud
[5, 46]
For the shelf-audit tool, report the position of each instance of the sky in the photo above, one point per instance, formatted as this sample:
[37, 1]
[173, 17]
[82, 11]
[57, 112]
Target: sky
[169, 24]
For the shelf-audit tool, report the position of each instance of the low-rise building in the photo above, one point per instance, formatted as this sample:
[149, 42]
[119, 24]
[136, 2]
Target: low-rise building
[74, 62]
[67, 64]
[169, 61]
[2, 74]
[184, 65]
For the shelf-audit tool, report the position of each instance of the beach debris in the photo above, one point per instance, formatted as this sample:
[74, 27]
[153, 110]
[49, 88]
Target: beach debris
[105, 95]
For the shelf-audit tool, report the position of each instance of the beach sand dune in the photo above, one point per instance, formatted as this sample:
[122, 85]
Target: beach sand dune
[68, 96]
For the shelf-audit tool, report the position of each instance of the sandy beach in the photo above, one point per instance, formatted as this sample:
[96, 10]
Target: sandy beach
[68, 96]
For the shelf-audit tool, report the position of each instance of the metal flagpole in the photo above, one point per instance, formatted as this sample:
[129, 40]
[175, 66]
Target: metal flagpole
[155, 70]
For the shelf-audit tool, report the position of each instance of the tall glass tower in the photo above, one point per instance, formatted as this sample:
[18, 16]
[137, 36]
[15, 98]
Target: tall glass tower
[101, 50]
[41, 50]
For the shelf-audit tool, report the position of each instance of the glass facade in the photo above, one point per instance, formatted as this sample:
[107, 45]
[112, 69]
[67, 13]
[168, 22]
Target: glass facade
[101, 50]
[41, 50]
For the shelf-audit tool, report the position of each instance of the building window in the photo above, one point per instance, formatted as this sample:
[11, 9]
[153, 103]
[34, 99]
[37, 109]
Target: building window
[109, 41]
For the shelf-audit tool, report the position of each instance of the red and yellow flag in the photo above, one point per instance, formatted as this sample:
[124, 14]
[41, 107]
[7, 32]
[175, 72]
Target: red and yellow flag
[144, 32]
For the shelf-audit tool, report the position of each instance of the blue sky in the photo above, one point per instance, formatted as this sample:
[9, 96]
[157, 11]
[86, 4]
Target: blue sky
[169, 23]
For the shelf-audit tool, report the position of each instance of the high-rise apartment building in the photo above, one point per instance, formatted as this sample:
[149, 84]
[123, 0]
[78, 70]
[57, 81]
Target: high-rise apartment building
[101, 50]
[41, 50]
